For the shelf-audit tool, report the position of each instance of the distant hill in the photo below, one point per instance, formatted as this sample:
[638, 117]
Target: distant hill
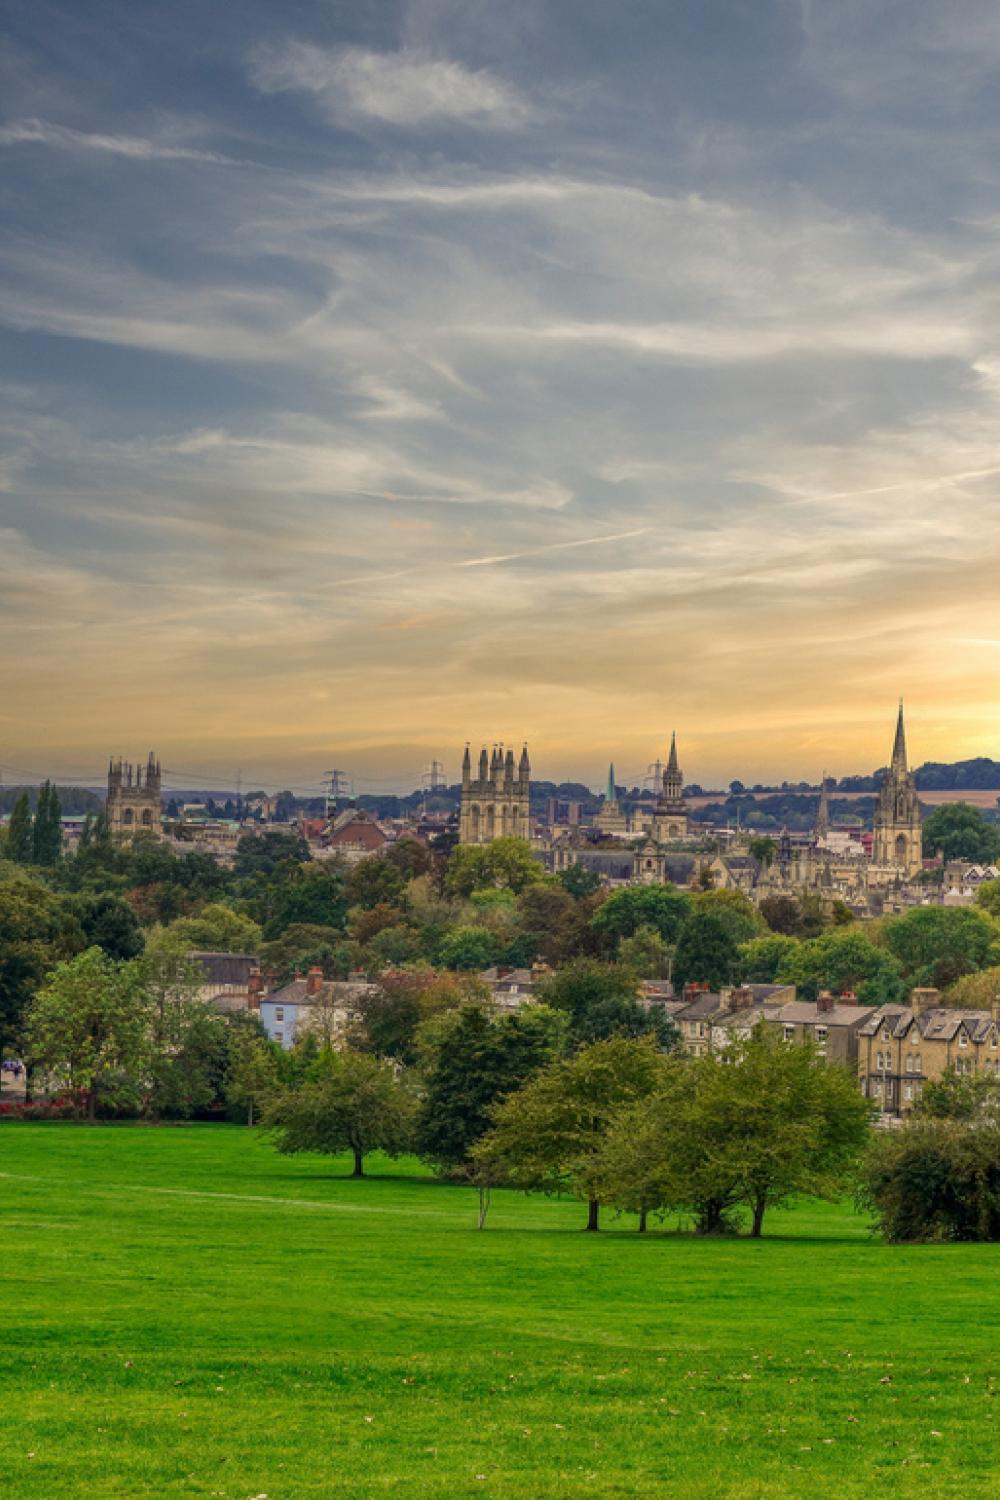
[74, 799]
[978, 774]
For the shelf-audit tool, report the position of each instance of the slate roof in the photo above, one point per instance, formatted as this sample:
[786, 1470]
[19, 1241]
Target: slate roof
[226, 968]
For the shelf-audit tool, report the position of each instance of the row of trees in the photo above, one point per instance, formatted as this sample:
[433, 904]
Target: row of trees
[616, 1123]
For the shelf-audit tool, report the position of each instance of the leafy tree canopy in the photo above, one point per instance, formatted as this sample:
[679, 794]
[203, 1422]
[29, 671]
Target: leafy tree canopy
[961, 832]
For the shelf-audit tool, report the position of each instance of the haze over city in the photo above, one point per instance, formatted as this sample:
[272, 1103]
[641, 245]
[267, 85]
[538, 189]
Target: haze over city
[379, 377]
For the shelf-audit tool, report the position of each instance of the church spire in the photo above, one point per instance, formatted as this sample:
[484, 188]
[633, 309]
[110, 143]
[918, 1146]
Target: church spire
[611, 795]
[899, 746]
[672, 757]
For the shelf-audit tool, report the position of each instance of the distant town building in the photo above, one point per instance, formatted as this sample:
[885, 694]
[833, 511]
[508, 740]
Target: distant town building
[133, 803]
[898, 842]
[497, 803]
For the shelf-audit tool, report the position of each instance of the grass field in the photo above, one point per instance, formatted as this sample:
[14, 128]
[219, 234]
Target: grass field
[186, 1313]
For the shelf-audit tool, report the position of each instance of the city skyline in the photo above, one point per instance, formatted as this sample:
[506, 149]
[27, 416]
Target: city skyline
[379, 378]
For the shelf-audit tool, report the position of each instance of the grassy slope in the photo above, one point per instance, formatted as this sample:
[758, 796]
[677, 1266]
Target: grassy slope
[185, 1313]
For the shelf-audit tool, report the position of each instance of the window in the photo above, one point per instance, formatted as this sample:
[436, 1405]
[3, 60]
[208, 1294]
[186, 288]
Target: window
[919, 1062]
[279, 1036]
[821, 1034]
[993, 1040]
[789, 1033]
[877, 1089]
[279, 1013]
[963, 1040]
[908, 1091]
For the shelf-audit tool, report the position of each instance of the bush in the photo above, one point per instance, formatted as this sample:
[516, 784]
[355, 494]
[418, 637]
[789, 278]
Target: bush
[937, 1179]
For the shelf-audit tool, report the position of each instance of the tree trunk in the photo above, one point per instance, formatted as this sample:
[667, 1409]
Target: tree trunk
[92, 1105]
[29, 1081]
[710, 1220]
[593, 1209]
[642, 1221]
[760, 1205]
[484, 1205]
[250, 1111]
[359, 1164]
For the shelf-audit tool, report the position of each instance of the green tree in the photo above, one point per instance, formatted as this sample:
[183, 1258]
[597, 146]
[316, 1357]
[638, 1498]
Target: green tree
[20, 835]
[960, 831]
[936, 1179]
[269, 853]
[90, 1028]
[748, 1130]
[761, 958]
[707, 951]
[216, 929]
[506, 863]
[781, 913]
[313, 895]
[375, 882]
[579, 881]
[476, 1061]
[468, 948]
[47, 831]
[764, 850]
[736, 909]
[354, 1103]
[251, 1078]
[843, 959]
[987, 897]
[37, 930]
[936, 945]
[646, 954]
[557, 922]
[602, 1000]
[303, 946]
[975, 991]
[960, 1096]
[109, 923]
[392, 1013]
[548, 1135]
[661, 907]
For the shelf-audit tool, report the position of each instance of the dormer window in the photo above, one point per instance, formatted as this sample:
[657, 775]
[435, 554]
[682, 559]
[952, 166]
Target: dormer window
[963, 1040]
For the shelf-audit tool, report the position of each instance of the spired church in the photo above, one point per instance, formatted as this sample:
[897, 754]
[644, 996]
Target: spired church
[643, 846]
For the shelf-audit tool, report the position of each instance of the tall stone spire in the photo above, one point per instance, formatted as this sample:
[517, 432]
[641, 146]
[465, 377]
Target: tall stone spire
[611, 794]
[672, 757]
[899, 745]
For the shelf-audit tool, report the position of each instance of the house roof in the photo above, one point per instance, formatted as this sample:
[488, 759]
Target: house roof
[804, 1012]
[225, 968]
[941, 1024]
[331, 992]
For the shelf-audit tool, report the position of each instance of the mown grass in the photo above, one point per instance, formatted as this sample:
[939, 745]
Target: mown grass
[186, 1313]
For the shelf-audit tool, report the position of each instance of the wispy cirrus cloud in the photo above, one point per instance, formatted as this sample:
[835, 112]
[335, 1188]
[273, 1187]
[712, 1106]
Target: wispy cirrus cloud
[403, 88]
[135, 148]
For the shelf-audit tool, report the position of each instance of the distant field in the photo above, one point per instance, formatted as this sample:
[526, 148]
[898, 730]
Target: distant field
[185, 1313]
[930, 799]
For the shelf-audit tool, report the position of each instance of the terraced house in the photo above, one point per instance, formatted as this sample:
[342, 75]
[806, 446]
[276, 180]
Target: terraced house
[902, 1047]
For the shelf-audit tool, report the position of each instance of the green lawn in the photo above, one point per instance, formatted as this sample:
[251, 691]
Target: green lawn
[186, 1313]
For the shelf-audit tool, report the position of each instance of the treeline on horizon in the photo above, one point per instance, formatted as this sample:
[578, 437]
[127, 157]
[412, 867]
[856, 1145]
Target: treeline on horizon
[789, 804]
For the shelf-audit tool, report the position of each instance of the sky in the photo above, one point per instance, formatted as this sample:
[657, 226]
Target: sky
[378, 375]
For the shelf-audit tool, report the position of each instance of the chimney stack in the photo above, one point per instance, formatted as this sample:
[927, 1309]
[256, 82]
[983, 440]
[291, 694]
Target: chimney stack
[255, 990]
[924, 999]
[314, 980]
[825, 1002]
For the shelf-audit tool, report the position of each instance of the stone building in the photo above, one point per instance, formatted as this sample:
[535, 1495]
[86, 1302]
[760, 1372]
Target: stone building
[902, 1047]
[898, 843]
[668, 819]
[133, 804]
[611, 820]
[496, 804]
